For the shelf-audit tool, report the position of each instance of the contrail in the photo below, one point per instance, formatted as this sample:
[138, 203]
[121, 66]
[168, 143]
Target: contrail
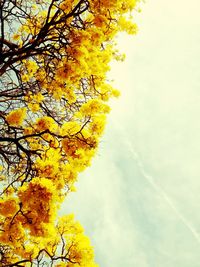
[162, 193]
[157, 188]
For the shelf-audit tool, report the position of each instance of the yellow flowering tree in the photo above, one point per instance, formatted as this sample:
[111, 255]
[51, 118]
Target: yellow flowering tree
[54, 59]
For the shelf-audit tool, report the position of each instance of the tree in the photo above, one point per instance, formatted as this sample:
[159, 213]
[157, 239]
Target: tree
[54, 59]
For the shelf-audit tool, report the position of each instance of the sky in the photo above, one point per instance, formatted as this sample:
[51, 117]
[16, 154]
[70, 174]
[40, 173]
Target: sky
[139, 201]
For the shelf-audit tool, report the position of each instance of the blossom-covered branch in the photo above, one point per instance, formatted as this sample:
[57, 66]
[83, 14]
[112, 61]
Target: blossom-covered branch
[54, 92]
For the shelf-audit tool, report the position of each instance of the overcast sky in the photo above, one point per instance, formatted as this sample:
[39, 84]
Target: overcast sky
[140, 200]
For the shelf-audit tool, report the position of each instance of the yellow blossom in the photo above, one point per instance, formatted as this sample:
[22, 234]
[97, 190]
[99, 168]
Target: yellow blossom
[16, 117]
[45, 123]
[8, 206]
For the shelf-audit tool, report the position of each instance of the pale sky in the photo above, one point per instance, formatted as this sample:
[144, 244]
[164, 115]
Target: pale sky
[139, 201]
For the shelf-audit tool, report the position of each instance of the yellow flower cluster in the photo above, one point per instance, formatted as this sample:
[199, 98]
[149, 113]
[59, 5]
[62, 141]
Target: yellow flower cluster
[34, 101]
[45, 123]
[38, 201]
[16, 117]
[8, 206]
[62, 119]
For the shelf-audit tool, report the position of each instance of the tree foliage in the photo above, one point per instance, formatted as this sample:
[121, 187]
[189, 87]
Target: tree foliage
[54, 59]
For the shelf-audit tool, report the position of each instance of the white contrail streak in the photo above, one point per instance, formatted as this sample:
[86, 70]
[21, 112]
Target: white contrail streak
[163, 194]
[157, 188]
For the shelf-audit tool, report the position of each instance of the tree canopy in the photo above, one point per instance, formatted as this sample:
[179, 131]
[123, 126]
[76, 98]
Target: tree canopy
[54, 89]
